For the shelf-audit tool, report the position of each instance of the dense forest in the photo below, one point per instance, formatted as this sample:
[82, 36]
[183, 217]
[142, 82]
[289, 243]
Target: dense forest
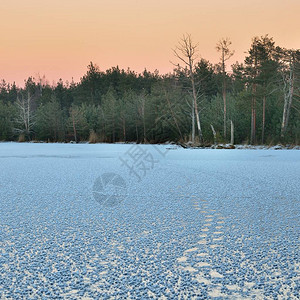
[256, 100]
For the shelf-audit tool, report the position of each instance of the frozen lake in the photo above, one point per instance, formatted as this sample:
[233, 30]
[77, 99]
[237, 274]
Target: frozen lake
[141, 221]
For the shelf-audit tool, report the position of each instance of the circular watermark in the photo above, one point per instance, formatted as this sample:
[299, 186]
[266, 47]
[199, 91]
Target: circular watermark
[109, 189]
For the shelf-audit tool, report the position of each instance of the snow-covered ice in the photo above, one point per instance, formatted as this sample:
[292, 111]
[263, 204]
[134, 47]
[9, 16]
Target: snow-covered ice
[141, 221]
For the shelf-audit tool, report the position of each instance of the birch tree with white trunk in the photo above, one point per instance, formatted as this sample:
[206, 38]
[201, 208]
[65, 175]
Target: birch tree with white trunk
[290, 68]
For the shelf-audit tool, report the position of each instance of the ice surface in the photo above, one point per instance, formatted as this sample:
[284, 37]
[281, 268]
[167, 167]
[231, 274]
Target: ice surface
[196, 223]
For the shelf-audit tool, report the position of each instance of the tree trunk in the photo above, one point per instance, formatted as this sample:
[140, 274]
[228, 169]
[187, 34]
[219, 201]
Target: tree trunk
[28, 115]
[232, 133]
[136, 132]
[253, 117]
[113, 133]
[214, 133]
[224, 96]
[124, 129]
[288, 98]
[225, 113]
[144, 127]
[74, 128]
[193, 123]
[263, 120]
[195, 105]
[142, 113]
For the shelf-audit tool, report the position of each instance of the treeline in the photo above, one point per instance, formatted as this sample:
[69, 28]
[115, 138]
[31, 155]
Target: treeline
[259, 98]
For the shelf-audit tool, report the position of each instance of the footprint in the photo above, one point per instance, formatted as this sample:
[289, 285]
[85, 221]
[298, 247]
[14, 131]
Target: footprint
[190, 269]
[182, 259]
[191, 249]
[202, 254]
[233, 287]
[203, 242]
[202, 264]
[201, 279]
[215, 274]
[208, 224]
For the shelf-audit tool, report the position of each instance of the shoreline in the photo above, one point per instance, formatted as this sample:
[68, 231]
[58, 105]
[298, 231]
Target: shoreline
[179, 145]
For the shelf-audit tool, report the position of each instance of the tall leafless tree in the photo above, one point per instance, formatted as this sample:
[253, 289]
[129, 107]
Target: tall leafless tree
[25, 119]
[186, 51]
[290, 67]
[223, 47]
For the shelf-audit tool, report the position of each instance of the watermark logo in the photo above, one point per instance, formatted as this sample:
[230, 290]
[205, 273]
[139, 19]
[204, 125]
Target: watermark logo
[110, 189]
[139, 161]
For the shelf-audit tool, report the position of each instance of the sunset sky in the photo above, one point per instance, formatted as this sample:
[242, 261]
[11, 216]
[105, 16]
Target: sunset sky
[59, 38]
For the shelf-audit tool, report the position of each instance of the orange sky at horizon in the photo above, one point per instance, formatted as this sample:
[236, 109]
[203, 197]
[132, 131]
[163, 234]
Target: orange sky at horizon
[59, 38]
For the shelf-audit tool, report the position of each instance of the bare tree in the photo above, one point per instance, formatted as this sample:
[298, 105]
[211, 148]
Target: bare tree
[186, 51]
[223, 47]
[290, 65]
[25, 119]
[252, 69]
